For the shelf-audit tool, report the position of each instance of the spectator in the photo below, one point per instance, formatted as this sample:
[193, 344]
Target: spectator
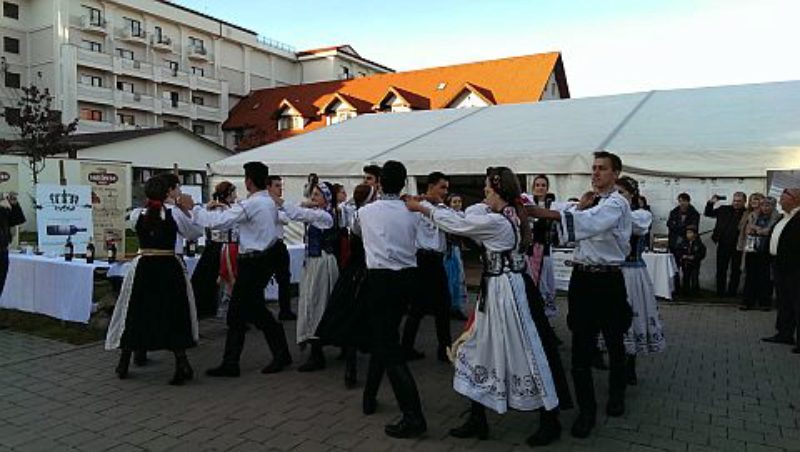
[679, 218]
[10, 215]
[691, 254]
[757, 279]
[750, 214]
[726, 236]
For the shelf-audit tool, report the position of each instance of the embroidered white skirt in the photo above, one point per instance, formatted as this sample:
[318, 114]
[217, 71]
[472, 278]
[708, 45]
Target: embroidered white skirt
[319, 276]
[499, 361]
[646, 334]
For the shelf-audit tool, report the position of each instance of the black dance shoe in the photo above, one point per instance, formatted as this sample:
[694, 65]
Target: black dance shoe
[277, 365]
[122, 365]
[796, 350]
[140, 358]
[583, 425]
[224, 370]
[408, 427]
[549, 431]
[183, 372]
[475, 427]
[778, 339]
[369, 405]
[615, 407]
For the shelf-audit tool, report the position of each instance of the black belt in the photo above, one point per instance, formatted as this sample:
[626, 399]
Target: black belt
[255, 254]
[430, 253]
[596, 268]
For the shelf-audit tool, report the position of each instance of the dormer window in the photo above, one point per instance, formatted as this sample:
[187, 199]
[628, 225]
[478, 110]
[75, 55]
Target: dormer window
[290, 122]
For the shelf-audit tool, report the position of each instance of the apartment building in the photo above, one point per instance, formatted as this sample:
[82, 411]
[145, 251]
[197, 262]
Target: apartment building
[130, 64]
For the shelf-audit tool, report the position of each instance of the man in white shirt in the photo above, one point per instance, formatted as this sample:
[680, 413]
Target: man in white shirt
[256, 218]
[597, 295]
[283, 275]
[389, 231]
[434, 295]
[784, 247]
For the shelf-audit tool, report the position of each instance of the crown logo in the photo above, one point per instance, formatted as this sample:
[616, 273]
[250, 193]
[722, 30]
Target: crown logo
[64, 201]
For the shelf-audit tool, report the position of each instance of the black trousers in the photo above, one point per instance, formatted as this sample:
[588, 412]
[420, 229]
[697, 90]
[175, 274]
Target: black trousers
[3, 268]
[787, 289]
[757, 280]
[431, 297]
[248, 305]
[728, 256]
[283, 277]
[691, 278]
[388, 295]
[597, 304]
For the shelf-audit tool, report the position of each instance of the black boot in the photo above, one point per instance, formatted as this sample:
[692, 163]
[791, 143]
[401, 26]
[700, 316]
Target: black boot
[476, 425]
[375, 373]
[549, 429]
[234, 343]
[350, 368]
[316, 360]
[124, 363]
[412, 424]
[276, 340]
[183, 371]
[584, 393]
[630, 368]
[410, 330]
[140, 358]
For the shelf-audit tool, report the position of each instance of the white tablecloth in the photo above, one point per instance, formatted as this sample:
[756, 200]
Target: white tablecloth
[662, 268]
[50, 286]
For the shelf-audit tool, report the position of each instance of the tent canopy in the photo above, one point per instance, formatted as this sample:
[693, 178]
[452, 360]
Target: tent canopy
[730, 131]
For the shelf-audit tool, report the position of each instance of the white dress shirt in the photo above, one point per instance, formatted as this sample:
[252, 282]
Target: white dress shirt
[187, 229]
[602, 232]
[283, 220]
[492, 230]
[430, 237]
[389, 231]
[778, 230]
[641, 220]
[256, 217]
[314, 217]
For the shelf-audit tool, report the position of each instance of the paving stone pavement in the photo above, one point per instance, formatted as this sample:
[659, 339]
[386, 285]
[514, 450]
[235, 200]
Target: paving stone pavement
[716, 387]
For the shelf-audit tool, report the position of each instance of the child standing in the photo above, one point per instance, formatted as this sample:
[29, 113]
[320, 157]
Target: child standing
[691, 254]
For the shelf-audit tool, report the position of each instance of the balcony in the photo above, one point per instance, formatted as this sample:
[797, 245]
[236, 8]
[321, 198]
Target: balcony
[161, 43]
[197, 53]
[95, 94]
[205, 84]
[136, 101]
[126, 126]
[134, 37]
[169, 75]
[177, 108]
[133, 68]
[207, 113]
[87, 126]
[94, 25]
[95, 59]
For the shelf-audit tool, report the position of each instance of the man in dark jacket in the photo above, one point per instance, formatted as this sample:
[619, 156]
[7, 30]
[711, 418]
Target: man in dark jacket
[680, 217]
[726, 235]
[784, 245]
[10, 215]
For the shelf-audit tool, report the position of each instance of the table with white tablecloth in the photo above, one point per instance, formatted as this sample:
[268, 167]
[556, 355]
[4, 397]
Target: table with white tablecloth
[661, 267]
[50, 286]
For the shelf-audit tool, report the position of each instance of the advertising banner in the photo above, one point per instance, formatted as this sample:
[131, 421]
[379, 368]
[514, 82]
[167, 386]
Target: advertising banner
[109, 185]
[63, 211]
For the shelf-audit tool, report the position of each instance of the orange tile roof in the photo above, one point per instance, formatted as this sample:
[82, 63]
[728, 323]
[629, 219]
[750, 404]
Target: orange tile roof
[503, 81]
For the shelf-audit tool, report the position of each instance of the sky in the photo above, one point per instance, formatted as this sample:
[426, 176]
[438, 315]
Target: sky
[608, 46]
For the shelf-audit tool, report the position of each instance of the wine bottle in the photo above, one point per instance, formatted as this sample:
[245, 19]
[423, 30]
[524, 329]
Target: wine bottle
[90, 253]
[111, 250]
[58, 229]
[69, 249]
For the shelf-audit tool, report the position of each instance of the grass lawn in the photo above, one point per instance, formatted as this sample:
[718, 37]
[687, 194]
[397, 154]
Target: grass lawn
[48, 327]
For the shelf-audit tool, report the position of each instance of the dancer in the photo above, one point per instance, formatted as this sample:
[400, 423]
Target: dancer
[321, 269]
[206, 276]
[454, 265]
[597, 295]
[646, 333]
[499, 361]
[344, 319]
[155, 309]
[283, 274]
[255, 217]
[433, 296]
[389, 232]
[540, 263]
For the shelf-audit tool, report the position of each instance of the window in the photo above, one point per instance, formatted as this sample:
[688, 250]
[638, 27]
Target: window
[362, 74]
[345, 72]
[125, 86]
[553, 89]
[198, 71]
[11, 45]
[12, 116]
[125, 118]
[95, 16]
[135, 27]
[173, 97]
[10, 10]
[91, 80]
[173, 66]
[197, 44]
[199, 129]
[198, 100]
[125, 53]
[238, 136]
[92, 46]
[158, 34]
[340, 116]
[290, 123]
[13, 80]
[90, 114]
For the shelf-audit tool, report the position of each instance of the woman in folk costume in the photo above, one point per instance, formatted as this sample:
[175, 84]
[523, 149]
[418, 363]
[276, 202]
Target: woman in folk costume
[343, 322]
[499, 360]
[321, 269]
[646, 334]
[155, 309]
[540, 263]
[454, 265]
[216, 258]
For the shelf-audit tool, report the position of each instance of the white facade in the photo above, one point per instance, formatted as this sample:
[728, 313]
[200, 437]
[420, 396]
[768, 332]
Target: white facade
[126, 64]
